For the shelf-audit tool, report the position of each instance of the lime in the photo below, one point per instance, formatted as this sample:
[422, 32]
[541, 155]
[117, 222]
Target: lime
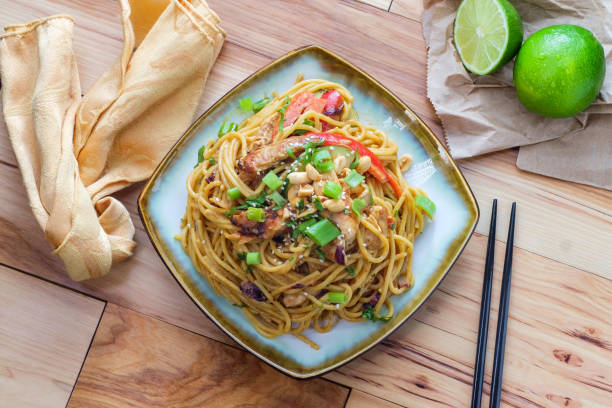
[487, 34]
[559, 71]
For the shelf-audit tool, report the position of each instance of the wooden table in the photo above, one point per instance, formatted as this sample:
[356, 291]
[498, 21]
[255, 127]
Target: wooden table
[134, 339]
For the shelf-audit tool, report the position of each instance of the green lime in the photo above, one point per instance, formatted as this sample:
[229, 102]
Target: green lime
[487, 34]
[559, 71]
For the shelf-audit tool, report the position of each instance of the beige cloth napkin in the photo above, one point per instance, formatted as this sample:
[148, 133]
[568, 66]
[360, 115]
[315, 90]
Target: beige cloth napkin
[74, 151]
[483, 114]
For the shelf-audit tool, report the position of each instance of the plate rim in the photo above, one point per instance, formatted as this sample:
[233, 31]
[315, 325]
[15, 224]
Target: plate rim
[429, 134]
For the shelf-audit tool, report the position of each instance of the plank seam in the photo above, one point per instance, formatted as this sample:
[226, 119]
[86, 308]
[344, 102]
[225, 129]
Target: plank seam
[61, 285]
[93, 335]
[348, 396]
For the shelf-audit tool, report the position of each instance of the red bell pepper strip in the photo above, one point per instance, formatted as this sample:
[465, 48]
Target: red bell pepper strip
[334, 103]
[317, 105]
[297, 105]
[376, 169]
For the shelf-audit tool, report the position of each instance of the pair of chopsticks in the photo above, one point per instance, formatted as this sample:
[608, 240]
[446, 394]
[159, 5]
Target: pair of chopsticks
[502, 318]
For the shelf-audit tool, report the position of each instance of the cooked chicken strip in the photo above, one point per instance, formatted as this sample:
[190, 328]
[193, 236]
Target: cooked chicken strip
[253, 164]
[273, 226]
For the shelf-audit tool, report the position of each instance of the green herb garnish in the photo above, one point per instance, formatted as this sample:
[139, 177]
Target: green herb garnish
[258, 201]
[358, 205]
[253, 258]
[355, 162]
[271, 180]
[246, 104]
[260, 104]
[353, 179]
[426, 204]
[301, 205]
[370, 313]
[256, 214]
[350, 270]
[234, 193]
[332, 190]
[322, 160]
[289, 151]
[336, 297]
[323, 232]
[200, 155]
[318, 204]
[319, 253]
[227, 127]
[282, 113]
[278, 199]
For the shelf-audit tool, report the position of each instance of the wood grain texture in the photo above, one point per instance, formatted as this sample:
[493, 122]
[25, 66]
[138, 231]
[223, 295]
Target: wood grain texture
[138, 361]
[408, 8]
[359, 399]
[45, 331]
[559, 339]
[558, 353]
[381, 4]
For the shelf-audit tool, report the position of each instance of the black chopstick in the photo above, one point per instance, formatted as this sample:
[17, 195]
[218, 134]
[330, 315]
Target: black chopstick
[485, 304]
[502, 318]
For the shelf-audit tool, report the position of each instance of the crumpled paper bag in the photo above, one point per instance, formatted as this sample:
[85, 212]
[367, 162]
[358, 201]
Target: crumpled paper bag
[74, 151]
[482, 114]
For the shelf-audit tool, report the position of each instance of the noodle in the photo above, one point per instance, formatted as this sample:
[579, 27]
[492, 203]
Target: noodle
[294, 281]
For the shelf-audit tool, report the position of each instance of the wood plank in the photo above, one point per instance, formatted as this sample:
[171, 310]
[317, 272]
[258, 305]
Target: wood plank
[408, 8]
[138, 361]
[359, 399]
[568, 222]
[559, 339]
[46, 331]
[381, 4]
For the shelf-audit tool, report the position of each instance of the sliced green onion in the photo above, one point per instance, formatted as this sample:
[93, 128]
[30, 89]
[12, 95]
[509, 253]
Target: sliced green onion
[308, 122]
[358, 205]
[355, 162]
[260, 104]
[234, 193]
[323, 232]
[426, 204]
[302, 227]
[278, 199]
[322, 161]
[201, 154]
[289, 151]
[396, 213]
[253, 258]
[350, 270]
[226, 128]
[353, 179]
[256, 214]
[271, 180]
[336, 297]
[332, 190]
[246, 104]
[318, 204]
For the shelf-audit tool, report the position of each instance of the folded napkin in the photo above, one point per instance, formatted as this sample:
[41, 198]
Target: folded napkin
[74, 151]
[482, 114]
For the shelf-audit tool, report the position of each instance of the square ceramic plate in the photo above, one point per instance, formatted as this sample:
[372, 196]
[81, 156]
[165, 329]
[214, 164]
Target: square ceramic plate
[162, 205]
